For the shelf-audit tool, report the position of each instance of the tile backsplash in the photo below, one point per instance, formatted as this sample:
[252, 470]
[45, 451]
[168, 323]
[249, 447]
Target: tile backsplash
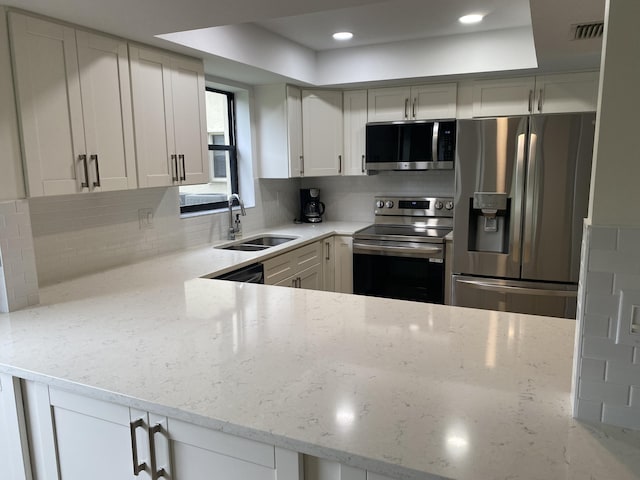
[18, 278]
[607, 366]
[74, 235]
[351, 198]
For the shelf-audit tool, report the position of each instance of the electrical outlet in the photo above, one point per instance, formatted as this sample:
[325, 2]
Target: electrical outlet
[145, 218]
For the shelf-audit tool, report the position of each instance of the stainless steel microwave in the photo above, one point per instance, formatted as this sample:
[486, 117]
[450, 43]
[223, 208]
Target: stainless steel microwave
[411, 145]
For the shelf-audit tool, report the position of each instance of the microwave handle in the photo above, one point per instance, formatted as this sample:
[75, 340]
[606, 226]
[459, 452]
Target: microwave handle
[434, 142]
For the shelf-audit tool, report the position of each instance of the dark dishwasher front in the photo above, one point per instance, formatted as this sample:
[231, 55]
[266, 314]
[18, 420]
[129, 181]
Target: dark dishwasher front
[399, 277]
[253, 273]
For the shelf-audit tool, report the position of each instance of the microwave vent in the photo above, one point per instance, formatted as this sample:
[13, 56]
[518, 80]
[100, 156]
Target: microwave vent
[587, 31]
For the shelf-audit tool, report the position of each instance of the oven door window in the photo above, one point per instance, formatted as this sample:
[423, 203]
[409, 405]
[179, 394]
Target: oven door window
[404, 278]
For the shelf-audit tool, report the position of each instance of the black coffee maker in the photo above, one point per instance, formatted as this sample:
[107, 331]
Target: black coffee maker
[311, 208]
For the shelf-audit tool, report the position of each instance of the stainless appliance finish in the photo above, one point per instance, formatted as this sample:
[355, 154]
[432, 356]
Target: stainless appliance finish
[522, 189]
[402, 254]
[422, 145]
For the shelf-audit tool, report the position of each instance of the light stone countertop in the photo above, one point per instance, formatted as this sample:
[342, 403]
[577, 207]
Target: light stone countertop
[405, 389]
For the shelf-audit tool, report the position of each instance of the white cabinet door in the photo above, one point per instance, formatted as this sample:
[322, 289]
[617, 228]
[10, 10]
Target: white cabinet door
[14, 449]
[388, 104]
[49, 102]
[311, 278]
[189, 120]
[573, 92]
[503, 97]
[321, 133]
[169, 118]
[75, 108]
[78, 436]
[278, 113]
[106, 108]
[433, 102]
[343, 264]
[294, 157]
[354, 111]
[329, 264]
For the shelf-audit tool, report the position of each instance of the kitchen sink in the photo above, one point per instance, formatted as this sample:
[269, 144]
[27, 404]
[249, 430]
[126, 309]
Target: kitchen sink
[257, 244]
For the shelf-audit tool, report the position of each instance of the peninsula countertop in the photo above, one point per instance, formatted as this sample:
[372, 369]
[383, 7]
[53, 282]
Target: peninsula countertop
[404, 389]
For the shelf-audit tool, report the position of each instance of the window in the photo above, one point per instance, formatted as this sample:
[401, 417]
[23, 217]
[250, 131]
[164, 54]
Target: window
[223, 179]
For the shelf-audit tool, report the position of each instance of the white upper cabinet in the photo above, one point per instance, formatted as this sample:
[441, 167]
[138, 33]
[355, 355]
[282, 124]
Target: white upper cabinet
[169, 117]
[424, 102]
[322, 133]
[574, 92]
[279, 128]
[75, 108]
[354, 111]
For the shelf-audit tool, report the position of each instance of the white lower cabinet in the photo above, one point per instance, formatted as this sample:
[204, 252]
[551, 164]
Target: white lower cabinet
[320, 469]
[14, 449]
[74, 438]
[300, 268]
[343, 254]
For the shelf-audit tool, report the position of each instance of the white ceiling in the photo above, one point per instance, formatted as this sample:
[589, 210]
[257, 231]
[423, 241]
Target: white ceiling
[303, 27]
[397, 20]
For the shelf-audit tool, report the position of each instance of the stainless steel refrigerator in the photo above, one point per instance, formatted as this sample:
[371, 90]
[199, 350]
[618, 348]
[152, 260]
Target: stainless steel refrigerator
[522, 192]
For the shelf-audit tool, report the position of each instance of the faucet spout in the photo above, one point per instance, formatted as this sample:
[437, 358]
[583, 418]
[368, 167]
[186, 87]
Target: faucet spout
[232, 229]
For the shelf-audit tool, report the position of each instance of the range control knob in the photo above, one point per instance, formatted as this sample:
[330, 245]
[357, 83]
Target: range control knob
[449, 205]
[379, 204]
[389, 204]
[438, 205]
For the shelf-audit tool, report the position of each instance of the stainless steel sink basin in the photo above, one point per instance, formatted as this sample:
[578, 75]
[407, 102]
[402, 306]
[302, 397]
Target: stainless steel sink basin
[257, 244]
[268, 241]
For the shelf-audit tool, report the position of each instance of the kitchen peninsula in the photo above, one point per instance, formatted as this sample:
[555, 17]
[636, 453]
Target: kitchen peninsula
[400, 389]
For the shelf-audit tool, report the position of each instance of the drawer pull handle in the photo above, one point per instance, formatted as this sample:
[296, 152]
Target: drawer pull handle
[83, 159]
[137, 467]
[155, 473]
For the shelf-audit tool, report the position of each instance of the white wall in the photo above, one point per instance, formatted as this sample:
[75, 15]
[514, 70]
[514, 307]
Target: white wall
[510, 49]
[11, 179]
[607, 354]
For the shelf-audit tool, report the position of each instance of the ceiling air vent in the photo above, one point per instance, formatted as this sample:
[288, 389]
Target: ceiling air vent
[587, 31]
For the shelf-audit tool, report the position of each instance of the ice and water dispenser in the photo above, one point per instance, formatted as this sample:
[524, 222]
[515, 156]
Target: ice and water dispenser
[489, 214]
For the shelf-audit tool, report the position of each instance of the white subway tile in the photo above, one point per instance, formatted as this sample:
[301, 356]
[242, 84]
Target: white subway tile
[592, 369]
[606, 349]
[614, 261]
[621, 416]
[603, 238]
[603, 305]
[629, 240]
[600, 282]
[8, 208]
[623, 373]
[590, 411]
[604, 392]
[596, 325]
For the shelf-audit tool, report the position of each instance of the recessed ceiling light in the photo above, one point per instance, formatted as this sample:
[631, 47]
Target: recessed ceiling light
[343, 36]
[469, 19]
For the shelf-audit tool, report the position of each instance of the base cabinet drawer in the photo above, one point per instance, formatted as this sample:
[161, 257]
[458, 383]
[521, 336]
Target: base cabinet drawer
[292, 269]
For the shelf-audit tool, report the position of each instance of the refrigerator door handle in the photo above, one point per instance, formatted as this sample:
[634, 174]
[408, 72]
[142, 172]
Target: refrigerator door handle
[495, 287]
[531, 201]
[519, 193]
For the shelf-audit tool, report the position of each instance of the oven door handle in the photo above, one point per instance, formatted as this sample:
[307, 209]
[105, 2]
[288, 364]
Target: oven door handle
[422, 251]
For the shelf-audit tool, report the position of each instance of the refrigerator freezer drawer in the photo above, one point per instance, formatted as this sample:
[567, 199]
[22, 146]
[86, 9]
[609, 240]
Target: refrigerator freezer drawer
[534, 298]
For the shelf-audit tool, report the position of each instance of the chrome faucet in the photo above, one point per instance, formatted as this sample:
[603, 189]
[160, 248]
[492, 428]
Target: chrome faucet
[232, 229]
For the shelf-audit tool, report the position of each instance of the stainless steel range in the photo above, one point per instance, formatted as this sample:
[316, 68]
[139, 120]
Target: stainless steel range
[402, 254]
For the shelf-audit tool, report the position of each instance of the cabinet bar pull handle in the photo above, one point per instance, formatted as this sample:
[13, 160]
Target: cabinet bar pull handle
[175, 177]
[299, 282]
[137, 467]
[183, 177]
[155, 473]
[94, 158]
[530, 101]
[362, 163]
[540, 102]
[83, 159]
[294, 282]
[301, 165]
[413, 108]
[339, 163]
[406, 106]
[328, 257]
